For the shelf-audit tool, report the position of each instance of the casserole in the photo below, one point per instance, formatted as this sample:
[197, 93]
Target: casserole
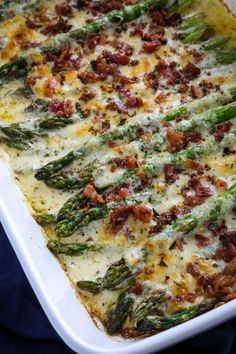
[133, 345]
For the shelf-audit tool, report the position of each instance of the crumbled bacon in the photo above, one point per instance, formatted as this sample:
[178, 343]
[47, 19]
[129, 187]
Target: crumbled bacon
[142, 213]
[199, 189]
[180, 243]
[105, 125]
[219, 283]
[65, 60]
[89, 77]
[61, 26]
[134, 102]
[151, 47]
[171, 173]
[194, 165]
[175, 140]
[220, 184]
[190, 72]
[91, 193]
[51, 87]
[117, 194]
[87, 93]
[193, 269]
[120, 108]
[217, 227]
[62, 108]
[128, 162]
[118, 218]
[166, 218]
[161, 97]
[192, 137]
[195, 92]
[202, 241]
[63, 9]
[137, 289]
[221, 129]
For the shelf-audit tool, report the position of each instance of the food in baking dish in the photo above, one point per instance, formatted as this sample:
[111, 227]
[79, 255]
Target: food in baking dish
[117, 120]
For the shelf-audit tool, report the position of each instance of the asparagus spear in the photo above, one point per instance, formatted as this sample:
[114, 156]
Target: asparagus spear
[208, 120]
[116, 17]
[116, 274]
[55, 123]
[216, 43]
[83, 218]
[128, 132]
[129, 13]
[200, 216]
[157, 323]
[200, 33]
[71, 205]
[19, 144]
[70, 249]
[180, 5]
[119, 313]
[45, 219]
[147, 306]
[13, 70]
[16, 132]
[226, 57]
[192, 21]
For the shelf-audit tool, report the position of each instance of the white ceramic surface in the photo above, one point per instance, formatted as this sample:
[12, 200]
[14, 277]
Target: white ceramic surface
[58, 298]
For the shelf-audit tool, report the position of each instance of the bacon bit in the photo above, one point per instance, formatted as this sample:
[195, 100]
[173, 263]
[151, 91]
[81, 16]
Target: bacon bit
[121, 59]
[134, 102]
[230, 297]
[123, 47]
[190, 72]
[202, 241]
[66, 60]
[87, 93]
[111, 143]
[161, 97]
[166, 218]
[194, 165]
[63, 9]
[171, 173]
[61, 26]
[39, 19]
[105, 125]
[115, 195]
[62, 108]
[129, 162]
[180, 243]
[194, 53]
[199, 189]
[221, 185]
[118, 218]
[137, 289]
[221, 129]
[191, 137]
[91, 193]
[217, 228]
[31, 80]
[175, 140]
[219, 283]
[151, 80]
[195, 92]
[151, 47]
[192, 268]
[90, 77]
[142, 213]
[113, 106]
[138, 29]
[51, 87]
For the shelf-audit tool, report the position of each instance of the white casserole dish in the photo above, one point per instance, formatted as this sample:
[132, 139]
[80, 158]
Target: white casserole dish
[58, 298]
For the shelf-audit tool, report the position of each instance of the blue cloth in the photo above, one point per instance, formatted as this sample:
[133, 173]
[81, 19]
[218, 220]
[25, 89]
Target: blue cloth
[24, 328]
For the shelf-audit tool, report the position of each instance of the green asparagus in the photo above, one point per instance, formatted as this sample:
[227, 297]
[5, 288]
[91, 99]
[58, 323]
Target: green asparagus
[157, 323]
[115, 275]
[119, 312]
[45, 219]
[200, 216]
[70, 249]
[128, 132]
